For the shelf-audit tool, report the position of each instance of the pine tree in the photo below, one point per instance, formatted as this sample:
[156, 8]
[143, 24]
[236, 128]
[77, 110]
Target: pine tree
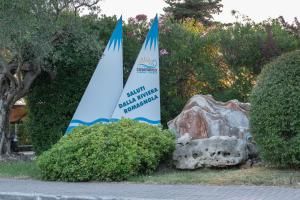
[200, 10]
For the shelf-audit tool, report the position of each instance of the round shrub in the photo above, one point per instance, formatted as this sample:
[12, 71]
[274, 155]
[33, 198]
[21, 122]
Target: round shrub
[275, 112]
[107, 152]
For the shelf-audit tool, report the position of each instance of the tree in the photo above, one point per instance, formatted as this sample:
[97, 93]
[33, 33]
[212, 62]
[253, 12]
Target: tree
[189, 65]
[246, 47]
[200, 10]
[29, 31]
[293, 28]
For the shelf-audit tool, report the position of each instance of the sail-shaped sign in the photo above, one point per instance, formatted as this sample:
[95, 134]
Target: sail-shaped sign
[140, 99]
[105, 87]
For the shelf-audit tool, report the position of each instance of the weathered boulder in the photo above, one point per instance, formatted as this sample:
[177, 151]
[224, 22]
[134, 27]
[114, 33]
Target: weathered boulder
[211, 133]
[216, 151]
[204, 117]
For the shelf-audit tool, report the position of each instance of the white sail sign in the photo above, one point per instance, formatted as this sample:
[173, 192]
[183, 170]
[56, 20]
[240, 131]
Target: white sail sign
[105, 87]
[140, 99]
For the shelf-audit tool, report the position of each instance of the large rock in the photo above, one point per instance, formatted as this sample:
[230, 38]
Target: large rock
[212, 133]
[216, 151]
[204, 117]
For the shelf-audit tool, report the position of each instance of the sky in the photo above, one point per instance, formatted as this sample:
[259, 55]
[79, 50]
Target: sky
[257, 10]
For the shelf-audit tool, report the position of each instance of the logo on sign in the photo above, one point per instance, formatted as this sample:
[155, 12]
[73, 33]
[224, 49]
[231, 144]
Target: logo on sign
[147, 65]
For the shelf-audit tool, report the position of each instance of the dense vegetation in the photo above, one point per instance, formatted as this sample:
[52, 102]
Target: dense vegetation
[107, 152]
[275, 112]
[220, 60]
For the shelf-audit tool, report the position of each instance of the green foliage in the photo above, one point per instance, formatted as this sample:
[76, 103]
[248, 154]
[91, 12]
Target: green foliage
[22, 29]
[246, 47]
[107, 152]
[275, 112]
[189, 67]
[251, 45]
[200, 10]
[135, 32]
[30, 28]
[222, 61]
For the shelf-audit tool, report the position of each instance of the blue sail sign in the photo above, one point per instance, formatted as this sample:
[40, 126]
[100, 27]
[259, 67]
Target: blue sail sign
[140, 99]
[105, 87]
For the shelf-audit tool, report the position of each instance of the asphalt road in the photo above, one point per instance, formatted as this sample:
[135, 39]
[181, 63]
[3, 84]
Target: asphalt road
[147, 191]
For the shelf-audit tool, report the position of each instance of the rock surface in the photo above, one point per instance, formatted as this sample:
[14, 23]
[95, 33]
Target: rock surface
[216, 151]
[204, 117]
[211, 133]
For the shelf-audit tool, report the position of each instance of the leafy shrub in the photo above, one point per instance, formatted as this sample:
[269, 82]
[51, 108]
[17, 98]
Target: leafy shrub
[275, 114]
[188, 65]
[107, 152]
[246, 47]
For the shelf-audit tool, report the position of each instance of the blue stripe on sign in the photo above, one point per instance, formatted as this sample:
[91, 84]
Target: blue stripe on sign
[105, 120]
[147, 120]
[143, 119]
[90, 123]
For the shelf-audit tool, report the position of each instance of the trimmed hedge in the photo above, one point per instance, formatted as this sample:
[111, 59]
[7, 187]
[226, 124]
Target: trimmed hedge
[275, 113]
[107, 152]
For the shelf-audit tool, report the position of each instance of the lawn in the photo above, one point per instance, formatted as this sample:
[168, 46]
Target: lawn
[234, 176]
[19, 170]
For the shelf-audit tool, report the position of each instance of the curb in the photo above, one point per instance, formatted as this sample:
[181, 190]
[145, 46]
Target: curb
[37, 196]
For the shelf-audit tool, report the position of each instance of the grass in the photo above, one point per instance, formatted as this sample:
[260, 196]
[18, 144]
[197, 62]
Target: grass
[19, 169]
[233, 176]
[236, 176]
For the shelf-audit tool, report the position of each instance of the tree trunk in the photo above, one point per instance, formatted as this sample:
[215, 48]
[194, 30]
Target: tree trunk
[5, 139]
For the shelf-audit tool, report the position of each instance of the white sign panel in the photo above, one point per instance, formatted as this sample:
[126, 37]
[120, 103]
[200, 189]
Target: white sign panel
[105, 87]
[140, 99]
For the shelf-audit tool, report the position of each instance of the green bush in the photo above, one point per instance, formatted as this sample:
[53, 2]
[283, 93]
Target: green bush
[107, 152]
[275, 114]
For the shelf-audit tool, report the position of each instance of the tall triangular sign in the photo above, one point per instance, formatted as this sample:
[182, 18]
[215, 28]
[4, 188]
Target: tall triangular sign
[140, 99]
[105, 87]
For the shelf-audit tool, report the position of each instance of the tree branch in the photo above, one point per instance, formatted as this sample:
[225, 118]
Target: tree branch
[27, 81]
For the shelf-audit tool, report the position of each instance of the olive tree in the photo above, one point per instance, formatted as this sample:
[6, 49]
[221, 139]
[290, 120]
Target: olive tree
[29, 31]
